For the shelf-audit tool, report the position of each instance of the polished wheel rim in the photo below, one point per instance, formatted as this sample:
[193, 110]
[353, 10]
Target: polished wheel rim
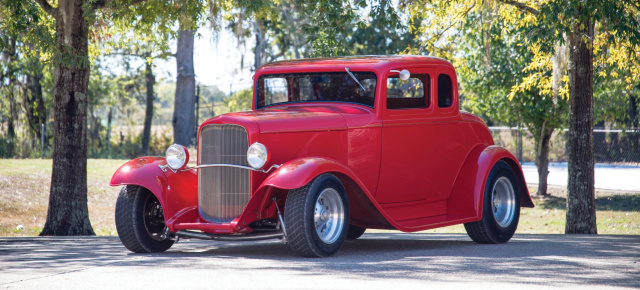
[503, 202]
[153, 218]
[329, 215]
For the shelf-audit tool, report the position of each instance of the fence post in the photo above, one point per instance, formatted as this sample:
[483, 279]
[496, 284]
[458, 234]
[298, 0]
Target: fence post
[519, 143]
[42, 142]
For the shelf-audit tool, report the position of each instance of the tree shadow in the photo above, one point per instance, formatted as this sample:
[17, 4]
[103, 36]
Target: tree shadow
[623, 203]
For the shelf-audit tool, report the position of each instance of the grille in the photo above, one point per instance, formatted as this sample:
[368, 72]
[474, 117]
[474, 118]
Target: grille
[223, 192]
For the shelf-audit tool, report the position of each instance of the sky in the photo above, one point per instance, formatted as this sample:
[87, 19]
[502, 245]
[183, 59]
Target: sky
[215, 64]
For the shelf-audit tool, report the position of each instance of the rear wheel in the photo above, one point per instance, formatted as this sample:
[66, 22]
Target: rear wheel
[500, 208]
[316, 217]
[140, 221]
[355, 232]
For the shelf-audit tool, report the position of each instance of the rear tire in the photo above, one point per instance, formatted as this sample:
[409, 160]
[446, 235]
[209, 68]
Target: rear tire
[355, 232]
[500, 208]
[316, 217]
[140, 221]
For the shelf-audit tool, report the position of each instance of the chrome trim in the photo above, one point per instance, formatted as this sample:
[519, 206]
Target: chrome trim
[233, 165]
[230, 237]
[164, 168]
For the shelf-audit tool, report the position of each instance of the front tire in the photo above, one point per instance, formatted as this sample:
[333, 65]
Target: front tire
[317, 217]
[500, 208]
[140, 221]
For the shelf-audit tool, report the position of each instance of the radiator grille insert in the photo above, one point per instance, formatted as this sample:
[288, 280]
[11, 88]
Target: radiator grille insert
[223, 192]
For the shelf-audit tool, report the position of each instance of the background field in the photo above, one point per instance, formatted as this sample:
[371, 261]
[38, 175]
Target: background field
[24, 193]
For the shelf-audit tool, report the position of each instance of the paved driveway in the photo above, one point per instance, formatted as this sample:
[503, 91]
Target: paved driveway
[376, 261]
[612, 177]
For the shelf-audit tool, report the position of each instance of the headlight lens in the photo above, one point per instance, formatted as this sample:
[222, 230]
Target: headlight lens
[257, 155]
[177, 156]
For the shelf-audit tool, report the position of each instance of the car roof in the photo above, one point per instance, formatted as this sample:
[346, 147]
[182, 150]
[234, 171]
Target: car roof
[371, 62]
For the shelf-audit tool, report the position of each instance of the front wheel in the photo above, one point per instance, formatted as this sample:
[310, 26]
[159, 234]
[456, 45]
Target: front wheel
[140, 221]
[317, 217]
[500, 208]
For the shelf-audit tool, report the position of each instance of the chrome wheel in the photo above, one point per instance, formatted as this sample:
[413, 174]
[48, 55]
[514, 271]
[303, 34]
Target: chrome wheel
[329, 216]
[503, 201]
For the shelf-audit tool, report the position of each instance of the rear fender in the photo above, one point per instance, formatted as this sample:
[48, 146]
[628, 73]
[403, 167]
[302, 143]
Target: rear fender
[472, 179]
[145, 172]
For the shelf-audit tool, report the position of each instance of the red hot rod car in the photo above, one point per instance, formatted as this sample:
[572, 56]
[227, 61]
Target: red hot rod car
[330, 148]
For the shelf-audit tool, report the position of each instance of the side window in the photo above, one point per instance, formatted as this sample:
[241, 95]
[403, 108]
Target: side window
[275, 91]
[445, 91]
[412, 93]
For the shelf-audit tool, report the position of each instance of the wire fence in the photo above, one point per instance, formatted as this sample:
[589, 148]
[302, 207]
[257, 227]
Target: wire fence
[610, 146]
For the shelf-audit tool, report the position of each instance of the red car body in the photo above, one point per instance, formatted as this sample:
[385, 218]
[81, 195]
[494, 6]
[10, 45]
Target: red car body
[407, 169]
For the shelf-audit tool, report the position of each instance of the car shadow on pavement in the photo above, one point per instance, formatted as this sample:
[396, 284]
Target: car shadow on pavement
[572, 259]
[527, 259]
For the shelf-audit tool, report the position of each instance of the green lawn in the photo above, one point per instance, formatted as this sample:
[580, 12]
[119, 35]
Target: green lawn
[24, 192]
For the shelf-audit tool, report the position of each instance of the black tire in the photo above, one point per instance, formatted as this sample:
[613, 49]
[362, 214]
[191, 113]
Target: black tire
[500, 219]
[355, 232]
[300, 217]
[140, 221]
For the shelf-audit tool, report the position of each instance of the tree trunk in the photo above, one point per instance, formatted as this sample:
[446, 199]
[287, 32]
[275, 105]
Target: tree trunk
[184, 124]
[9, 55]
[148, 117]
[34, 106]
[581, 210]
[542, 161]
[68, 213]
[260, 44]
[634, 137]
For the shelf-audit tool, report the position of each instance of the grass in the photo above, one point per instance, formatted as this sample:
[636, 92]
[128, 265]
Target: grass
[24, 194]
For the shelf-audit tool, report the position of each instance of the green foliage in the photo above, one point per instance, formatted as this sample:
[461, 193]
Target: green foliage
[239, 101]
[330, 23]
[498, 82]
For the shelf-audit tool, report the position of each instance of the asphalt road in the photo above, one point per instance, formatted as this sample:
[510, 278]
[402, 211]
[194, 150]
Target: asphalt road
[376, 261]
[609, 177]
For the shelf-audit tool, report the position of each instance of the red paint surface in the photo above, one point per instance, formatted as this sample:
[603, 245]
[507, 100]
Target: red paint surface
[409, 169]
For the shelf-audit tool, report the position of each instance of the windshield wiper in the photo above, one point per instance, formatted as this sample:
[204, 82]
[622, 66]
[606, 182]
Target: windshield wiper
[355, 79]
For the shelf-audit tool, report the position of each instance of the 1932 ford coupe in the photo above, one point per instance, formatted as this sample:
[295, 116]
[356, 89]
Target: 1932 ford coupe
[331, 148]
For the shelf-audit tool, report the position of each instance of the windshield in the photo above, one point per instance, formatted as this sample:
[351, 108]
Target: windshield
[316, 87]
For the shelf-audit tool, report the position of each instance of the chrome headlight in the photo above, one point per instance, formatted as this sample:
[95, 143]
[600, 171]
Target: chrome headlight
[257, 155]
[177, 156]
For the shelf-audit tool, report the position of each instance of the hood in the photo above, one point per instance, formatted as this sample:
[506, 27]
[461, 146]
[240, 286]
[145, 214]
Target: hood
[291, 119]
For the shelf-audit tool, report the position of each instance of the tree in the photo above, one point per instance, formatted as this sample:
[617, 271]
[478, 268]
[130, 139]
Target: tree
[68, 213]
[502, 79]
[573, 23]
[184, 117]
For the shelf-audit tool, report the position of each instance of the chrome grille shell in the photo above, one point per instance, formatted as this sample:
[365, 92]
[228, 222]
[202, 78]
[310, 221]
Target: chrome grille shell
[223, 192]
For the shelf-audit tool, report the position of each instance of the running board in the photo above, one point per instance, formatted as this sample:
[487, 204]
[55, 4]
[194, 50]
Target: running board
[236, 237]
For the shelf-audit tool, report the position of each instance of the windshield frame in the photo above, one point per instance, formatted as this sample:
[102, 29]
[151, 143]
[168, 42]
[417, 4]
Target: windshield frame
[257, 85]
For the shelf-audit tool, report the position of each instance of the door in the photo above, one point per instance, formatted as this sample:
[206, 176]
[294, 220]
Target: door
[422, 148]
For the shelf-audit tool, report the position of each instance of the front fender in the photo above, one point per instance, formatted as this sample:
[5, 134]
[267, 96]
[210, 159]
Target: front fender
[472, 179]
[143, 171]
[297, 173]
[175, 191]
